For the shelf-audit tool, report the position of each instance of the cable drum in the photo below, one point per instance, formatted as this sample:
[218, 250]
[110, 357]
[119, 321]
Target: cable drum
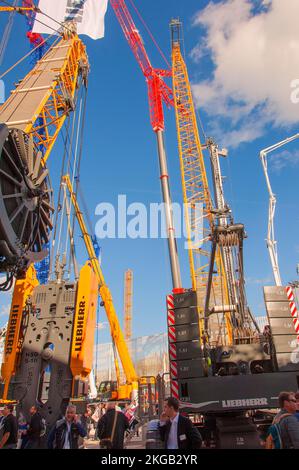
[25, 201]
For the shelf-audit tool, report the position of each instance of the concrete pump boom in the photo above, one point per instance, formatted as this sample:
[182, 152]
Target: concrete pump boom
[271, 242]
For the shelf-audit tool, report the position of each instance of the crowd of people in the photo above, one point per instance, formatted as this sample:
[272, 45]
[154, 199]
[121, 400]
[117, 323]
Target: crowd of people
[110, 423]
[107, 423]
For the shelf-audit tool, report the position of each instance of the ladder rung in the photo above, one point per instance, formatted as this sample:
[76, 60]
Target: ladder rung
[17, 123]
[60, 47]
[25, 90]
[42, 61]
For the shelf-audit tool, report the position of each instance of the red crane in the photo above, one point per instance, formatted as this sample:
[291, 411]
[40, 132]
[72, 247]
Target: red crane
[158, 92]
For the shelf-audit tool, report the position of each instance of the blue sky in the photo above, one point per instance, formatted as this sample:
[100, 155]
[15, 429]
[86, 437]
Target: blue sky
[120, 148]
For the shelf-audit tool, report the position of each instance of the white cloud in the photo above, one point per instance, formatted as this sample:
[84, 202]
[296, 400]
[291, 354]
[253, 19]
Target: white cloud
[255, 52]
[4, 310]
[285, 158]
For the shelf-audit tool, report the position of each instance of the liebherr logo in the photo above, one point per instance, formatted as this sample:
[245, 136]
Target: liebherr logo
[252, 402]
[11, 331]
[80, 326]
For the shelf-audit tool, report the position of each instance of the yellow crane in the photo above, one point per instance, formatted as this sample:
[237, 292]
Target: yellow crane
[127, 390]
[31, 119]
[197, 198]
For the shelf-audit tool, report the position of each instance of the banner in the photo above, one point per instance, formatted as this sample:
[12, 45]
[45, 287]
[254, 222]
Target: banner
[88, 14]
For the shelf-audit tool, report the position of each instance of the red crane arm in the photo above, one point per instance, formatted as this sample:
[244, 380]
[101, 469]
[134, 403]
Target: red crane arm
[158, 91]
[132, 35]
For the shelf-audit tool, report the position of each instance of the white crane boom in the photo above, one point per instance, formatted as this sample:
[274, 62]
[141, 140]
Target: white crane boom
[271, 242]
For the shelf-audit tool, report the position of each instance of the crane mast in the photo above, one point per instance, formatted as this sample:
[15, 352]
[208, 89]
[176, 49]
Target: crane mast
[200, 214]
[229, 238]
[158, 92]
[128, 304]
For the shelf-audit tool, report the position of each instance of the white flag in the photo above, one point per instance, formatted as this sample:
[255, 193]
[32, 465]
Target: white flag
[88, 14]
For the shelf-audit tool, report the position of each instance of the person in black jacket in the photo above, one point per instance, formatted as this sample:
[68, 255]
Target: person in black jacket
[66, 432]
[34, 429]
[9, 426]
[111, 428]
[177, 431]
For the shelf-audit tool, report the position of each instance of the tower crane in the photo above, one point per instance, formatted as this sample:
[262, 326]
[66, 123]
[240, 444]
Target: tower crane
[271, 242]
[128, 304]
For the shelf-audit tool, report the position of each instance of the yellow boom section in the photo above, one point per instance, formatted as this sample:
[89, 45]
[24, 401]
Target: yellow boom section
[13, 341]
[197, 198]
[116, 332]
[42, 100]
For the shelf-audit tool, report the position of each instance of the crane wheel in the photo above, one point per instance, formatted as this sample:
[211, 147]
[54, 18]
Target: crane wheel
[25, 201]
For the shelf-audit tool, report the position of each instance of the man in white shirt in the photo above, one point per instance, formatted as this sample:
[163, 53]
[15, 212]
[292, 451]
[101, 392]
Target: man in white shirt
[177, 431]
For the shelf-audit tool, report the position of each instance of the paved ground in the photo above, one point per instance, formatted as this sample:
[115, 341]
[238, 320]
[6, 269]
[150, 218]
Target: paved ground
[137, 442]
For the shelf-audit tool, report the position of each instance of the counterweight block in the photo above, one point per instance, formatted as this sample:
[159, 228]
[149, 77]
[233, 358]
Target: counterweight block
[25, 201]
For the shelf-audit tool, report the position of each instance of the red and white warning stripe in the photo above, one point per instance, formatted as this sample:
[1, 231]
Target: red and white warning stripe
[174, 370]
[293, 308]
[290, 293]
[170, 317]
[170, 302]
[171, 334]
[174, 389]
[172, 352]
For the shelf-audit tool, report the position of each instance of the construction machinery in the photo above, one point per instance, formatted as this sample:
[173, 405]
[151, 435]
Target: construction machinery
[128, 304]
[48, 351]
[244, 370]
[46, 359]
[221, 365]
[271, 242]
[42, 100]
[158, 92]
[107, 389]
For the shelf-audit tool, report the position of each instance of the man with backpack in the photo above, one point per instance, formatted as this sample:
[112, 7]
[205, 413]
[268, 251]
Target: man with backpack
[284, 431]
[36, 429]
[111, 428]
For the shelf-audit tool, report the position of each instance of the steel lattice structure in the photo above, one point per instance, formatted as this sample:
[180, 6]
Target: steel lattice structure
[196, 193]
[45, 96]
[128, 304]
